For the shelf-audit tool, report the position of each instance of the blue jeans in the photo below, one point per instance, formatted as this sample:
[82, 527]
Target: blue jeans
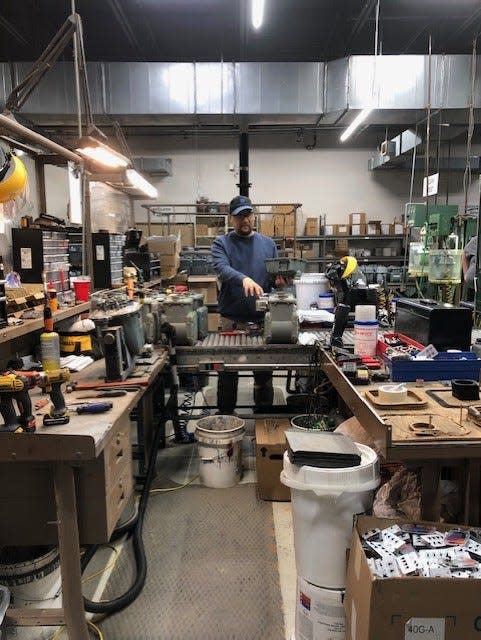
[227, 382]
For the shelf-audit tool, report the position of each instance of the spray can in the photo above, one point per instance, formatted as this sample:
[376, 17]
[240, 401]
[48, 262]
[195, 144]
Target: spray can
[49, 343]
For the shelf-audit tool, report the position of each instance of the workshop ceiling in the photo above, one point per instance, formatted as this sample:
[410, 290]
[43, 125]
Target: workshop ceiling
[214, 30]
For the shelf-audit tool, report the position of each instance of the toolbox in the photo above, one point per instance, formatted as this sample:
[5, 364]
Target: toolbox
[444, 366]
[443, 325]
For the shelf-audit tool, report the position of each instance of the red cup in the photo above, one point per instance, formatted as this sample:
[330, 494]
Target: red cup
[81, 286]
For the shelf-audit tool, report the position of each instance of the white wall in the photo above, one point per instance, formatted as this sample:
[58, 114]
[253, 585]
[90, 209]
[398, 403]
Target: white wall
[328, 180]
[56, 191]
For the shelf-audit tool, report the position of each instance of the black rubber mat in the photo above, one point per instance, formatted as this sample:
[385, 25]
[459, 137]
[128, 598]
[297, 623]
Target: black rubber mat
[212, 570]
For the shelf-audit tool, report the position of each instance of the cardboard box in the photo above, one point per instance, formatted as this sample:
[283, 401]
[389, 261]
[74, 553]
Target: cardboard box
[387, 229]
[328, 230]
[358, 230]
[266, 226]
[341, 245]
[398, 228]
[170, 261]
[311, 227]
[213, 321]
[357, 218]
[202, 229]
[165, 245]
[206, 285]
[406, 608]
[341, 230]
[270, 447]
[373, 228]
[283, 208]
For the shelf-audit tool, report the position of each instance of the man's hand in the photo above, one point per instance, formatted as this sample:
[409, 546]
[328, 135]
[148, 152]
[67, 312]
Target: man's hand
[251, 288]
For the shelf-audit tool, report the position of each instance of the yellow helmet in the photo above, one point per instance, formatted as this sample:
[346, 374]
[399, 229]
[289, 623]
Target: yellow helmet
[13, 176]
[350, 263]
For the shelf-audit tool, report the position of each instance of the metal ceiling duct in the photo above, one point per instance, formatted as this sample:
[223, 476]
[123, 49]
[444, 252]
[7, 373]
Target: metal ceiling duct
[309, 93]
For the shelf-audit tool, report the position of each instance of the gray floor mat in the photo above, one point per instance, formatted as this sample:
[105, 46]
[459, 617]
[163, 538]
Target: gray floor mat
[212, 570]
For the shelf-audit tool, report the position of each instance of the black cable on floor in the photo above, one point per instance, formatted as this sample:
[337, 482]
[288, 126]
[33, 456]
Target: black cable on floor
[134, 529]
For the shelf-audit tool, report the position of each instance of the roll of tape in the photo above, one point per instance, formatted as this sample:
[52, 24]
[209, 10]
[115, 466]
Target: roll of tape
[465, 389]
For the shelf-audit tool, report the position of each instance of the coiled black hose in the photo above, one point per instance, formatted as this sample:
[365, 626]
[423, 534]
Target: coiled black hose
[134, 528]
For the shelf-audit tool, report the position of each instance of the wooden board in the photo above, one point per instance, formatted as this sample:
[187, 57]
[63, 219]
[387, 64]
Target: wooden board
[413, 400]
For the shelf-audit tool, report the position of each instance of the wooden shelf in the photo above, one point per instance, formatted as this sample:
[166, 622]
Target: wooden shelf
[28, 326]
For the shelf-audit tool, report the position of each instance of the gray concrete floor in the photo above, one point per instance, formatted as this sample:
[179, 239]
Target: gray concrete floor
[179, 465]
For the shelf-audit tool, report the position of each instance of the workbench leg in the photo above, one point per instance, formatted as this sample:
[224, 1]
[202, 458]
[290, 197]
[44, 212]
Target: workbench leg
[430, 477]
[472, 493]
[68, 540]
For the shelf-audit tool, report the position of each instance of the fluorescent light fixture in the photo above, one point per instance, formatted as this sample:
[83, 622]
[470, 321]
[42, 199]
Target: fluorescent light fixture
[358, 120]
[101, 153]
[257, 13]
[139, 182]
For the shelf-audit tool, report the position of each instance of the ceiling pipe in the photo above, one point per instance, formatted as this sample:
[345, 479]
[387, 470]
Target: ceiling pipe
[19, 129]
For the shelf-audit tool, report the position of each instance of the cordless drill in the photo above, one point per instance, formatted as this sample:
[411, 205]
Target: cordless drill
[15, 386]
[51, 382]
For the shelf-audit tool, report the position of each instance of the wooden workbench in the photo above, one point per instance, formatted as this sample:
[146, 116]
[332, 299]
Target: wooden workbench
[458, 443]
[68, 485]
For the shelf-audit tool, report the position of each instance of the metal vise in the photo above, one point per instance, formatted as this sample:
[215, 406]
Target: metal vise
[180, 312]
[281, 325]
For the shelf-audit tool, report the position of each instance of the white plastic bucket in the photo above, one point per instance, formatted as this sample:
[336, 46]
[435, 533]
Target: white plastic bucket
[364, 312]
[326, 301]
[308, 288]
[319, 613]
[31, 573]
[220, 450]
[324, 502]
[365, 337]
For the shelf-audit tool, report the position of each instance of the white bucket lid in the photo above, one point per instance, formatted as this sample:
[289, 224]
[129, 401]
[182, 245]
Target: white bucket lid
[322, 481]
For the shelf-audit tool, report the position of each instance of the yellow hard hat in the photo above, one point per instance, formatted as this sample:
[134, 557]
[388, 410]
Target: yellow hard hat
[351, 265]
[13, 177]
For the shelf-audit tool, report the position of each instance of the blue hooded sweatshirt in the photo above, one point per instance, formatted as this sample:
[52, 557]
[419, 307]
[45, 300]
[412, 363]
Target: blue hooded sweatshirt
[236, 257]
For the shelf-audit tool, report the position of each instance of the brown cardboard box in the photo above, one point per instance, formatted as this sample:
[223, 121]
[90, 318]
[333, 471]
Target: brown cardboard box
[284, 224]
[170, 261]
[387, 229]
[270, 447]
[358, 229]
[373, 228]
[357, 218]
[165, 245]
[341, 230]
[385, 608]
[202, 229]
[398, 228]
[213, 321]
[311, 227]
[266, 226]
[341, 245]
[283, 208]
[206, 285]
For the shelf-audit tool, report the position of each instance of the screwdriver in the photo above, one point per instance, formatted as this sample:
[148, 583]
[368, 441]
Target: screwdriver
[91, 407]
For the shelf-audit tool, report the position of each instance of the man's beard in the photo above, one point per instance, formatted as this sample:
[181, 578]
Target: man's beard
[245, 229]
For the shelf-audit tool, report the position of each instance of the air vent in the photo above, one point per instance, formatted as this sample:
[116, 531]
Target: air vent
[154, 166]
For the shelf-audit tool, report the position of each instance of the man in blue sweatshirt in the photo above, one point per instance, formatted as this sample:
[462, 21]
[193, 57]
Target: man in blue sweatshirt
[239, 264]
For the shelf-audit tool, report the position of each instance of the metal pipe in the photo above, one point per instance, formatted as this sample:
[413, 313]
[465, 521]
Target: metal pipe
[16, 127]
[244, 183]
[77, 72]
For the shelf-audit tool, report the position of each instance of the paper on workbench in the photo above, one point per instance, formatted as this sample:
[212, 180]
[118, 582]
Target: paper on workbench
[315, 315]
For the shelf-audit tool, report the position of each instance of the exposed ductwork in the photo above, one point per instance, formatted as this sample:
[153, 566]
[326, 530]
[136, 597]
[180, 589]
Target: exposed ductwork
[294, 94]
